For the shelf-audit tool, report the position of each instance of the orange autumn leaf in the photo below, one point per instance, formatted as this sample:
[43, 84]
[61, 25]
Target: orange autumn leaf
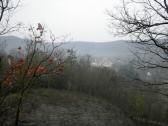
[8, 80]
[41, 69]
[37, 70]
[18, 65]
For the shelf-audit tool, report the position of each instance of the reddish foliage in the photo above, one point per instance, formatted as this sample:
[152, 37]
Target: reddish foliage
[19, 64]
[41, 70]
[39, 27]
[8, 80]
[36, 70]
[15, 67]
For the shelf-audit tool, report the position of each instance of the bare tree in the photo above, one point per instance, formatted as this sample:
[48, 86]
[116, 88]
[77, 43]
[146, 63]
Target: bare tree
[145, 21]
[7, 9]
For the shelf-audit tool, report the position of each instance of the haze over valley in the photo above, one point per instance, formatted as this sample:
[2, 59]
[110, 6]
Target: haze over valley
[83, 63]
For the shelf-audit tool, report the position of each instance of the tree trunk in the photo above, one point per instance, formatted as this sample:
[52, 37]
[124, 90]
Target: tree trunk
[18, 110]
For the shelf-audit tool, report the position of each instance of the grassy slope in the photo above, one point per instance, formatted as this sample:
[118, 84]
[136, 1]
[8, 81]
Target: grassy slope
[48, 107]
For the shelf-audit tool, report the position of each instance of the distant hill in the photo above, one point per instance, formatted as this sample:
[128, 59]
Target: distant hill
[12, 42]
[96, 49]
[100, 49]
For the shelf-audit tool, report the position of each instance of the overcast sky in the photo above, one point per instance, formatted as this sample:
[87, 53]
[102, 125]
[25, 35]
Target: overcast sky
[83, 20]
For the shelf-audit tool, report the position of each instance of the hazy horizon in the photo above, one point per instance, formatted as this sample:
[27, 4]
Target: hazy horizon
[75, 18]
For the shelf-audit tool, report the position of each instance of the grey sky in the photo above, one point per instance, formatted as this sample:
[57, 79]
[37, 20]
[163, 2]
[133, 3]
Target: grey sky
[83, 20]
